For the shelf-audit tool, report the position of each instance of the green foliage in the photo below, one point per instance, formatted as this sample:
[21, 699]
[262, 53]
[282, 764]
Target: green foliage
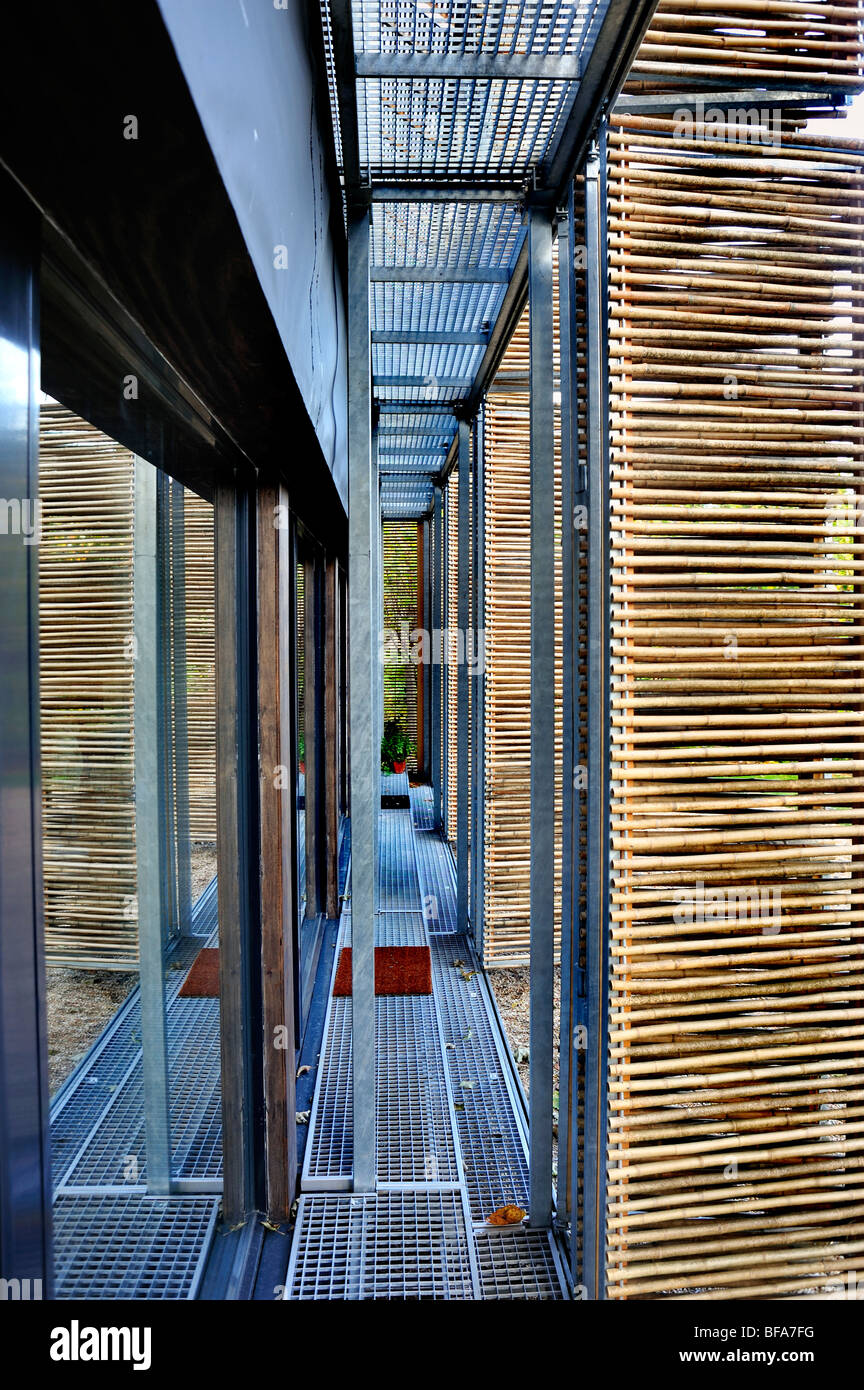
[395, 746]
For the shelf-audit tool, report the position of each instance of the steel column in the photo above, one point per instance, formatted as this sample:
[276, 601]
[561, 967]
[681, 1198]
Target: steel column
[598, 793]
[363, 711]
[570, 1035]
[542, 816]
[25, 1163]
[424, 769]
[436, 624]
[150, 829]
[463, 763]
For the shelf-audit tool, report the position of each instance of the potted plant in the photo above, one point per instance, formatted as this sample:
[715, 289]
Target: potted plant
[301, 751]
[395, 748]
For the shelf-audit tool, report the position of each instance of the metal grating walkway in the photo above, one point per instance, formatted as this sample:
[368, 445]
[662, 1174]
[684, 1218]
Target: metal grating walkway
[112, 1239]
[450, 1125]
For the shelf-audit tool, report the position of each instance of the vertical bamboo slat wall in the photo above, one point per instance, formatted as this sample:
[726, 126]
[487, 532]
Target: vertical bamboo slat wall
[736, 1073]
[399, 543]
[744, 43]
[508, 666]
[200, 665]
[86, 651]
[86, 693]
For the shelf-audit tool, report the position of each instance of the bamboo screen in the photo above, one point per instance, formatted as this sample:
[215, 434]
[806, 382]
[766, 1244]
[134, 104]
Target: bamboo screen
[86, 656]
[736, 1088]
[86, 693]
[753, 42]
[399, 542]
[507, 711]
[200, 665]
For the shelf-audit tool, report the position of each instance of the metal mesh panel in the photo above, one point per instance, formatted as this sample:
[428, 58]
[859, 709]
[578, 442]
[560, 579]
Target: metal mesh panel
[393, 1245]
[490, 1135]
[518, 1264]
[108, 1247]
[413, 1119]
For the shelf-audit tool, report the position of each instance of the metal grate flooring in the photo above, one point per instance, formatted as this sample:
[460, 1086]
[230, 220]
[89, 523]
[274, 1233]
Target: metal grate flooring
[131, 1246]
[111, 1239]
[393, 1245]
[450, 1127]
[422, 807]
[437, 875]
[398, 882]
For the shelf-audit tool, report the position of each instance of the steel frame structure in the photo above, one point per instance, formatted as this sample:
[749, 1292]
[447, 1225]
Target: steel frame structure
[446, 245]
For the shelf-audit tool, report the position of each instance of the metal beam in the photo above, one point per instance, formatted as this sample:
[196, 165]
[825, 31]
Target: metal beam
[456, 383]
[463, 618]
[408, 192]
[409, 453]
[598, 803]
[363, 688]
[473, 67]
[572, 991]
[342, 35]
[150, 831]
[609, 60]
[542, 812]
[25, 1155]
[403, 335]
[439, 274]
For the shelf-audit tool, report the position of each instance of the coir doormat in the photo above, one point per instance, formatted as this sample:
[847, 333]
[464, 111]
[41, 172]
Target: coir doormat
[398, 970]
[202, 982]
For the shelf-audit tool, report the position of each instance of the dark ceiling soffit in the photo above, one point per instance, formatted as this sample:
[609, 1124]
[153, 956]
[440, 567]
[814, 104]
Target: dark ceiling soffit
[151, 219]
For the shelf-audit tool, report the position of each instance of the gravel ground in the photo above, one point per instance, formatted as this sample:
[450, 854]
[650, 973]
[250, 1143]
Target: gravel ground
[511, 990]
[81, 1002]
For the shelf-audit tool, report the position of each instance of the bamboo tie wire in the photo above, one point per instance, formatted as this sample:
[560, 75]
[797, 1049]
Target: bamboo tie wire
[736, 1074]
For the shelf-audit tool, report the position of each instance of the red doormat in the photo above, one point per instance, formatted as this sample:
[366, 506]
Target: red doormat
[202, 982]
[398, 970]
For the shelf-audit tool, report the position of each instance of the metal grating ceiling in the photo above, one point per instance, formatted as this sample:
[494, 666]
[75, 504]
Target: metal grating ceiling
[447, 92]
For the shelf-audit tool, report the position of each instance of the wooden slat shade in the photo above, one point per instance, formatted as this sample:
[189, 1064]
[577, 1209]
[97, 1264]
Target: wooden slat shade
[735, 1082]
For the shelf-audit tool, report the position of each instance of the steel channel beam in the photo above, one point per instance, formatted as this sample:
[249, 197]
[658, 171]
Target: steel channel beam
[439, 274]
[598, 792]
[25, 1158]
[463, 618]
[405, 335]
[364, 760]
[408, 192]
[569, 1038]
[436, 711]
[463, 67]
[342, 32]
[149, 827]
[542, 811]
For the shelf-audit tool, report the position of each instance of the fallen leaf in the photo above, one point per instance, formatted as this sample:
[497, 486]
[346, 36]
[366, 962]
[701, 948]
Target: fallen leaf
[301, 1071]
[506, 1216]
[302, 1117]
[271, 1226]
[468, 1085]
[468, 1036]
